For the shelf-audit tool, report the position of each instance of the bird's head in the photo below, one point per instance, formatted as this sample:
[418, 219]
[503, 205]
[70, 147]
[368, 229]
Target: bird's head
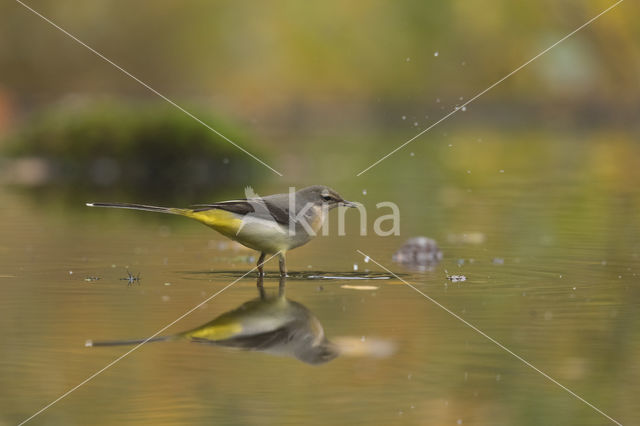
[320, 194]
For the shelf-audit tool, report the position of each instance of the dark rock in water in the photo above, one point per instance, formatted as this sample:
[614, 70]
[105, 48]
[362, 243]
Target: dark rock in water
[419, 252]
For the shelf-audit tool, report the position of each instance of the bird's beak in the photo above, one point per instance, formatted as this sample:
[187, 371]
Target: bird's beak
[348, 203]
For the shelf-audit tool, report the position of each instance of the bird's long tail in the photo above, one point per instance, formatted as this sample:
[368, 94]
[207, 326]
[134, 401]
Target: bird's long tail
[223, 221]
[170, 210]
[91, 343]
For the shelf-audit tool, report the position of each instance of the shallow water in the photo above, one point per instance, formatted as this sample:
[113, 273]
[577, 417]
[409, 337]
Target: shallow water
[552, 265]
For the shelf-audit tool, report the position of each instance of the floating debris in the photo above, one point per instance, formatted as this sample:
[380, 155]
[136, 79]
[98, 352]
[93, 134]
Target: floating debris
[420, 252]
[355, 266]
[90, 279]
[498, 261]
[353, 346]
[131, 278]
[455, 278]
[359, 287]
[467, 238]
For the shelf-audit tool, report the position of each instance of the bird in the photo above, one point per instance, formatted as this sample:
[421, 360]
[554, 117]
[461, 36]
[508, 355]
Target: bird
[273, 224]
[272, 324]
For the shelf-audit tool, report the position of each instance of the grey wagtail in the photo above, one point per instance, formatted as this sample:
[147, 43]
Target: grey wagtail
[272, 224]
[269, 324]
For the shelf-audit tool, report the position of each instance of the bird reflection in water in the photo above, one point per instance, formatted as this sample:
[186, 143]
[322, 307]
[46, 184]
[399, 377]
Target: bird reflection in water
[274, 325]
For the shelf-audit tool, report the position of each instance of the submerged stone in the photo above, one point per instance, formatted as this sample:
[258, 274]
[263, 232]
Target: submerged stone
[418, 252]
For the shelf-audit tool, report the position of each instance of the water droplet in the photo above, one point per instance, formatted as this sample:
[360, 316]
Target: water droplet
[464, 108]
[415, 123]
[408, 59]
[436, 53]
[412, 154]
[366, 259]
[501, 170]
[355, 266]
[364, 192]
[404, 117]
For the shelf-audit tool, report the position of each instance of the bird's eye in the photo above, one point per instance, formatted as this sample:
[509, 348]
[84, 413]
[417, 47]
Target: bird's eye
[326, 197]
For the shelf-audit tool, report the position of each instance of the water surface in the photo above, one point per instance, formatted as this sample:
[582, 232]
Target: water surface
[552, 272]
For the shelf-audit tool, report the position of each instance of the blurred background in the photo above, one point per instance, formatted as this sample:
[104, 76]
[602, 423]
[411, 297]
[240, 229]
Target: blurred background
[288, 81]
[542, 171]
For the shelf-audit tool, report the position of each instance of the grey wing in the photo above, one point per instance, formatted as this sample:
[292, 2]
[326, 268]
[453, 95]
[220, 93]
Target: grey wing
[256, 342]
[262, 208]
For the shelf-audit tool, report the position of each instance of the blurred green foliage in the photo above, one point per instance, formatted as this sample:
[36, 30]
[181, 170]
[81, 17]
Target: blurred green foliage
[258, 56]
[152, 150]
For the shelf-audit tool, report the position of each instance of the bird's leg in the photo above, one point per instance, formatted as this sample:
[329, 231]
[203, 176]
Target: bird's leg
[261, 264]
[281, 286]
[260, 286]
[283, 265]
